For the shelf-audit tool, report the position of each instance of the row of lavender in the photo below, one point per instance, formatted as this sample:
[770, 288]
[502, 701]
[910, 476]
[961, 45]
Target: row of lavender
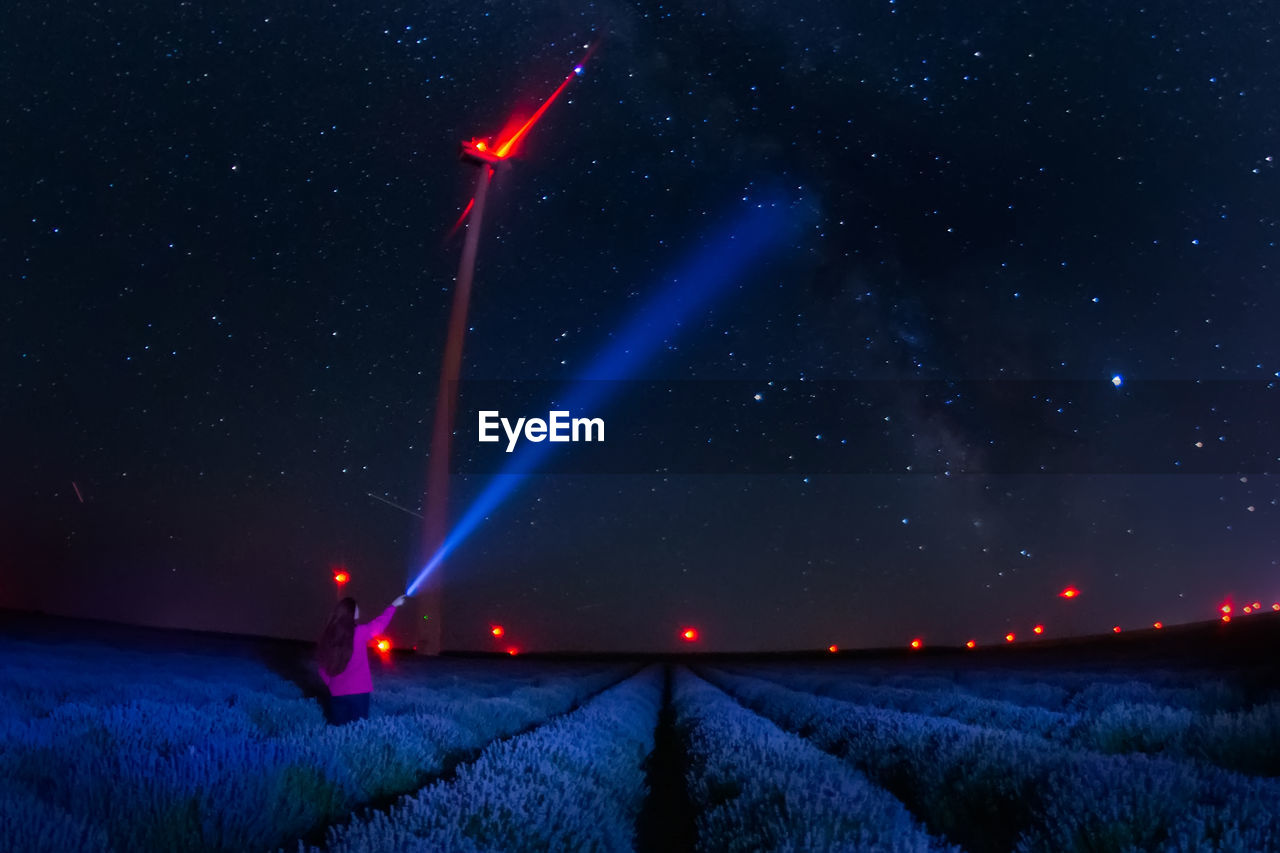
[757, 787]
[576, 783]
[579, 783]
[1118, 716]
[112, 749]
[993, 789]
[37, 678]
[1051, 689]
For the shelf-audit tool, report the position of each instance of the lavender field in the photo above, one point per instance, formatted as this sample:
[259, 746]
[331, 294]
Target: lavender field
[112, 740]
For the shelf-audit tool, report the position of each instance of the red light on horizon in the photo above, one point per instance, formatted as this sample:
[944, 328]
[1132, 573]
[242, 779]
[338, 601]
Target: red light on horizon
[1039, 629]
[1275, 606]
[1248, 609]
[1069, 592]
[971, 645]
[1008, 638]
[1226, 608]
[341, 576]
[497, 630]
[917, 643]
[689, 634]
[513, 651]
[1116, 629]
[833, 648]
[1158, 625]
[1226, 617]
[1257, 605]
[384, 645]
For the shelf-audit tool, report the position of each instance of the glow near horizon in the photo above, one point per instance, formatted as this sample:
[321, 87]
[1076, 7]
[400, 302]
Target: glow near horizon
[705, 275]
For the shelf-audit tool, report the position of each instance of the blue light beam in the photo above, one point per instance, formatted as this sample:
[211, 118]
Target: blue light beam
[705, 275]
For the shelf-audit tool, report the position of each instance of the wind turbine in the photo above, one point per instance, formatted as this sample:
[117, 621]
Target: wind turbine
[488, 158]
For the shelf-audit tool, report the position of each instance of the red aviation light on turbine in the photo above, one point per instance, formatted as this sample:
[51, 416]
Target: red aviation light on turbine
[477, 151]
[1257, 605]
[1226, 617]
[1276, 606]
[972, 644]
[513, 651]
[482, 152]
[833, 648]
[498, 631]
[1039, 629]
[341, 576]
[917, 643]
[1069, 592]
[1009, 637]
[1248, 609]
[1226, 608]
[1115, 629]
[689, 635]
[1158, 625]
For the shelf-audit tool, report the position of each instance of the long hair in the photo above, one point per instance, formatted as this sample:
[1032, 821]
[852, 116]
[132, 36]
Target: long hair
[335, 647]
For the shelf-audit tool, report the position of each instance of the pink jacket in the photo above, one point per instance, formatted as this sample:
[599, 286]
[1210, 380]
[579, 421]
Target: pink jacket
[355, 678]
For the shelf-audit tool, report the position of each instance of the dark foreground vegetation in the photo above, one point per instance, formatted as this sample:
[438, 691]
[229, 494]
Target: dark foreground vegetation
[126, 739]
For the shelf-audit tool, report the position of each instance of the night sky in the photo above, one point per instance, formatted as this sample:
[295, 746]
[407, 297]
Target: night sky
[228, 278]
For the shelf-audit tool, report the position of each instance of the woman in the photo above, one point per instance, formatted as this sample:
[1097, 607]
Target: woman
[344, 660]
